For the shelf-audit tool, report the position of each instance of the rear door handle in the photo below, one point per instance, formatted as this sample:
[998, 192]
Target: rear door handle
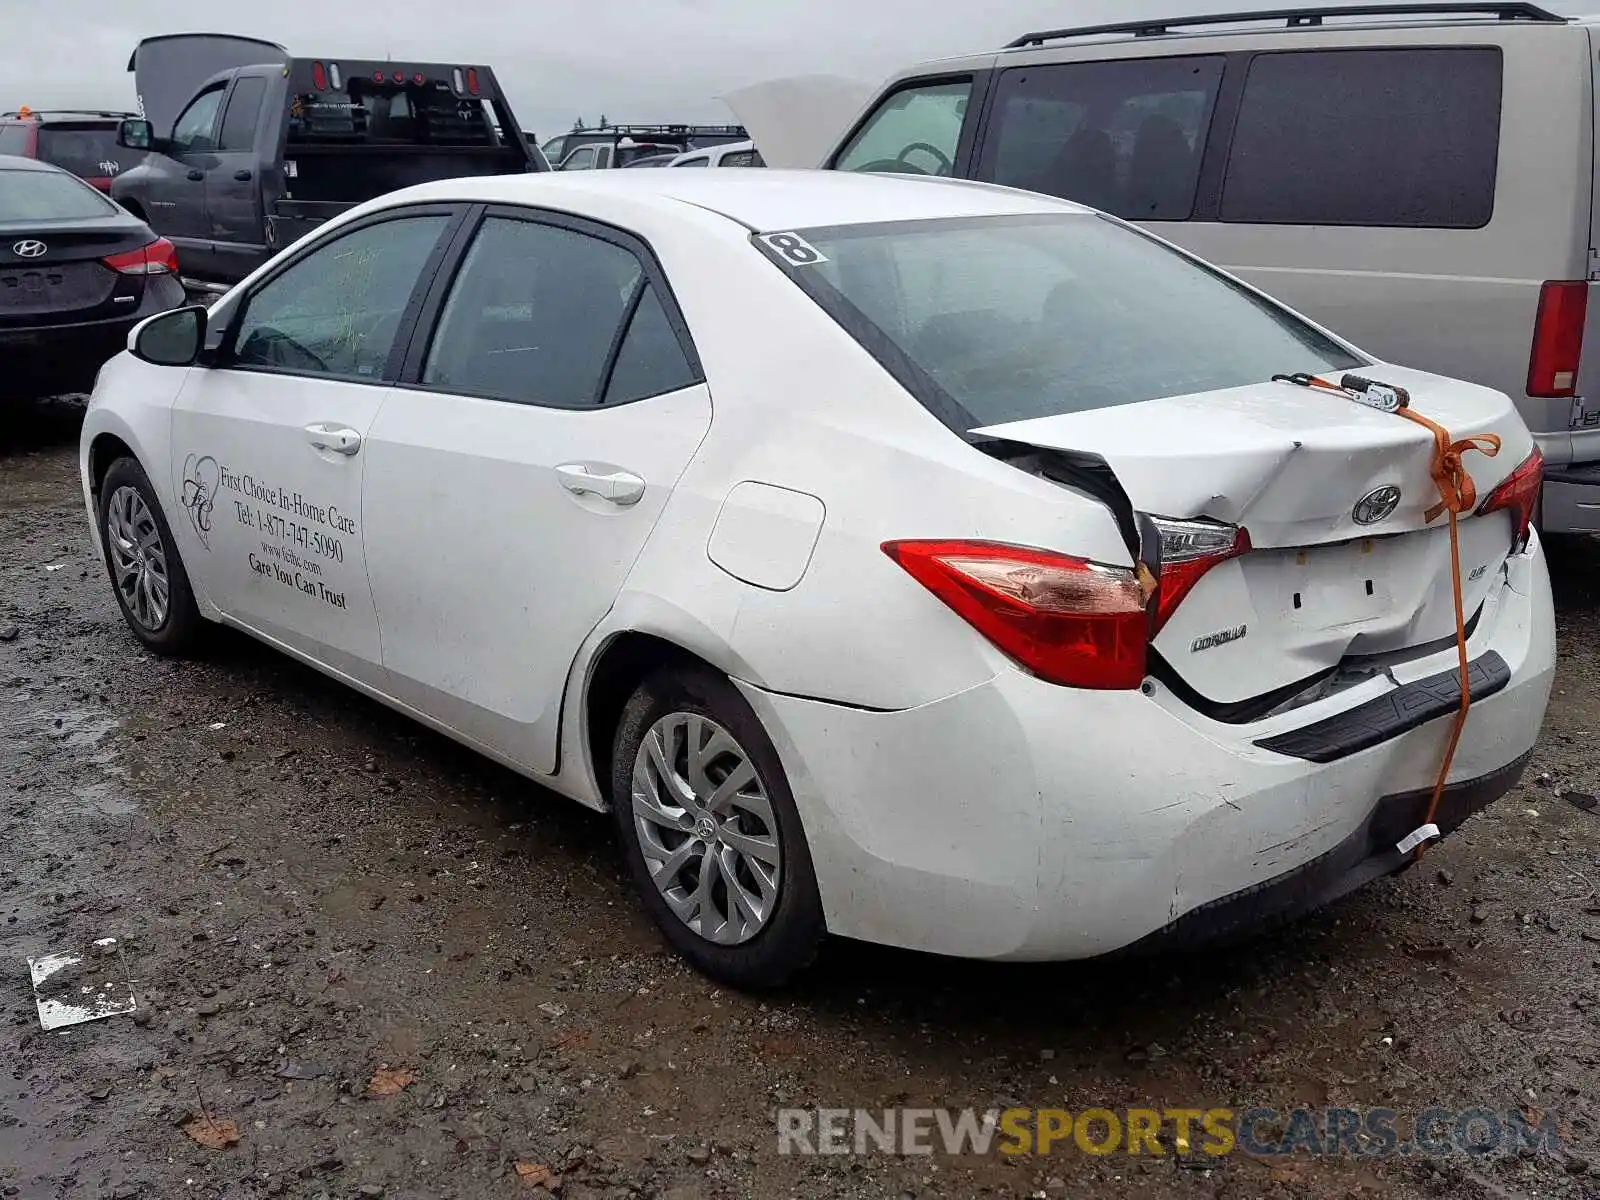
[622, 488]
[336, 438]
[242, 176]
[196, 176]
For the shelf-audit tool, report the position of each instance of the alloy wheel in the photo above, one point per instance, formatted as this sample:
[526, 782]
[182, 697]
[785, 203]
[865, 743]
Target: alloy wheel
[706, 828]
[138, 558]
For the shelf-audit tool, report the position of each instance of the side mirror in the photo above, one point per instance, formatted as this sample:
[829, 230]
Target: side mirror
[171, 339]
[135, 133]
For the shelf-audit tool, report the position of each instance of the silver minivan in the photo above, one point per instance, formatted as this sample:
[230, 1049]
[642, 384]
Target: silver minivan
[1418, 177]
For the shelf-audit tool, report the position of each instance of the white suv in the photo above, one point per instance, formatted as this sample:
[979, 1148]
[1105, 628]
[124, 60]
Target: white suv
[1419, 177]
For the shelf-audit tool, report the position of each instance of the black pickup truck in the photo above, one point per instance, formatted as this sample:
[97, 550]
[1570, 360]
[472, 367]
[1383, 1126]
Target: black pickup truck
[246, 147]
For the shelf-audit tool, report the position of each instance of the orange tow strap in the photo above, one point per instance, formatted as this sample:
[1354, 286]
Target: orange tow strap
[1457, 494]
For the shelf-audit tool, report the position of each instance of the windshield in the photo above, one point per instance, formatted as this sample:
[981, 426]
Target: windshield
[83, 150]
[995, 319]
[35, 196]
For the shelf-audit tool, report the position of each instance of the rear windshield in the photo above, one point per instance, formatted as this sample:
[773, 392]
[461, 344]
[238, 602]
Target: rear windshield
[391, 114]
[37, 196]
[996, 319]
[90, 152]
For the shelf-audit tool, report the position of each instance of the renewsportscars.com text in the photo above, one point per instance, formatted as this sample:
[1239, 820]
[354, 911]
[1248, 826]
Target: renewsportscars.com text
[1261, 1132]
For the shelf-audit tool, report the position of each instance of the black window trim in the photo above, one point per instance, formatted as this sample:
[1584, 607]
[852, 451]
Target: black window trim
[222, 357]
[426, 325]
[982, 165]
[978, 97]
[1249, 57]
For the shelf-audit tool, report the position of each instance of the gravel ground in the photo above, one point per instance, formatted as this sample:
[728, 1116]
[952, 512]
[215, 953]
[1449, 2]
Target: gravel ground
[312, 896]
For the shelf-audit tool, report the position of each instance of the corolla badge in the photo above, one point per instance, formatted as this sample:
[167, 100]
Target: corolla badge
[1377, 505]
[29, 248]
[200, 479]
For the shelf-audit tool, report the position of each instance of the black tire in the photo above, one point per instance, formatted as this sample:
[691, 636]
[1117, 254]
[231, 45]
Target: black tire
[180, 631]
[791, 936]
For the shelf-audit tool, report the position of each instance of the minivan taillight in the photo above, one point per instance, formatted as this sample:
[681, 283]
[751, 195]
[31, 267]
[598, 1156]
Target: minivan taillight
[160, 257]
[1067, 620]
[1518, 494]
[1558, 339]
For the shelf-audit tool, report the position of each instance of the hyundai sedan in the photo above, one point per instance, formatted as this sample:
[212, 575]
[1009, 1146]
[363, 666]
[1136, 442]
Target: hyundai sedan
[915, 561]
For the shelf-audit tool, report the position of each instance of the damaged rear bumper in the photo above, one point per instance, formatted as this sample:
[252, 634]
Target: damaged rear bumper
[1367, 854]
[1022, 821]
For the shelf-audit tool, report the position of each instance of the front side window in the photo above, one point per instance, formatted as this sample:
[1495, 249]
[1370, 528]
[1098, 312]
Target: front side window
[1124, 136]
[337, 311]
[532, 315]
[742, 158]
[1367, 137]
[915, 131]
[193, 132]
[14, 138]
[1002, 319]
[581, 159]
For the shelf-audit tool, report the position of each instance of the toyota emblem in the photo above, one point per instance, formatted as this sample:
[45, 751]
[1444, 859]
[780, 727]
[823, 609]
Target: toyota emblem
[1377, 505]
[29, 248]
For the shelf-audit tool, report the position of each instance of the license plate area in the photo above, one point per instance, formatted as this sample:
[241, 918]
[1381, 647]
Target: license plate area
[1320, 587]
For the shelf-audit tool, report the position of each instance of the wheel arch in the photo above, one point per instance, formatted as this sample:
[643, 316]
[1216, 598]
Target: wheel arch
[642, 633]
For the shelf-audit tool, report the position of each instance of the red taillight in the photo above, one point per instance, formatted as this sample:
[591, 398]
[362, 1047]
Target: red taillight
[419, 78]
[377, 77]
[472, 80]
[1067, 620]
[319, 77]
[1518, 494]
[160, 257]
[1189, 549]
[1558, 339]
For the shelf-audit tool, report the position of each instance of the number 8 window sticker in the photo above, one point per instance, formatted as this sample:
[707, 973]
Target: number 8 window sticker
[794, 249]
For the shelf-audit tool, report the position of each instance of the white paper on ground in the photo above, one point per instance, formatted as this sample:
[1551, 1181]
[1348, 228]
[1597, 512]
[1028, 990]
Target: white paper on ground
[70, 989]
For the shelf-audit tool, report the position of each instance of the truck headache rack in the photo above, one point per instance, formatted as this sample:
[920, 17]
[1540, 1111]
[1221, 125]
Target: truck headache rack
[1301, 18]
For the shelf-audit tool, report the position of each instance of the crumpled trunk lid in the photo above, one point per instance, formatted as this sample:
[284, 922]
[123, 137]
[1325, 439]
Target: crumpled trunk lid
[1331, 574]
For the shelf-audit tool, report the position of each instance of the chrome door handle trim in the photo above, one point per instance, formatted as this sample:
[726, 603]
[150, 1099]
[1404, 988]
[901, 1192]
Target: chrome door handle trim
[622, 488]
[335, 438]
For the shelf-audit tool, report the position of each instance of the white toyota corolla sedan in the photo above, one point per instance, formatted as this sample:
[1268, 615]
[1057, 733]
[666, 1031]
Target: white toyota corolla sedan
[918, 561]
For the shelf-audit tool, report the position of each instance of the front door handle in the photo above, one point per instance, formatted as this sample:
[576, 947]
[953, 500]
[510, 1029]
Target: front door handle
[195, 176]
[335, 438]
[242, 176]
[622, 488]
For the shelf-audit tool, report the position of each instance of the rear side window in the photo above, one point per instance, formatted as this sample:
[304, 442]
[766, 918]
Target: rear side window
[244, 109]
[1367, 137]
[915, 131]
[702, 161]
[533, 315]
[650, 361]
[1125, 137]
[13, 139]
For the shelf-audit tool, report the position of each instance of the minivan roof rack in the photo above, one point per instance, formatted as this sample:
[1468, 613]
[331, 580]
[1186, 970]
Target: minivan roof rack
[1300, 18]
[664, 130]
